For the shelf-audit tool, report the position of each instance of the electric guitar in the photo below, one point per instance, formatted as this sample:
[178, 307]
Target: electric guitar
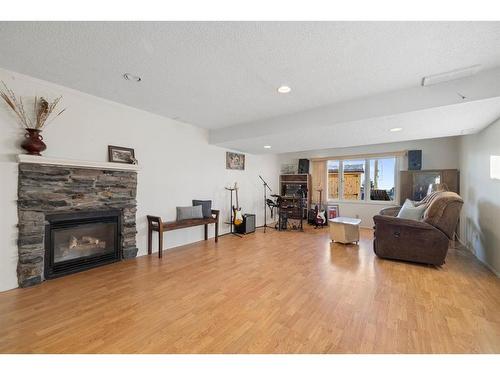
[320, 214]
[237, 216]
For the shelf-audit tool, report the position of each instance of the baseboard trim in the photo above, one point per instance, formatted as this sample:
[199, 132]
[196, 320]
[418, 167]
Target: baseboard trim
[494, 271]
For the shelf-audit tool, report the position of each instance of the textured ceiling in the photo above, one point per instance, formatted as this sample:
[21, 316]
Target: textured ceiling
[217, 74]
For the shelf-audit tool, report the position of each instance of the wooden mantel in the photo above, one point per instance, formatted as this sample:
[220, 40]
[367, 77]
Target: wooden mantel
[23, 158]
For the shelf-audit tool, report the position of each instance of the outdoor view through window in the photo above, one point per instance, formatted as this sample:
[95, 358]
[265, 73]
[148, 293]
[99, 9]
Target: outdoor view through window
[382, 181]
[347, 179]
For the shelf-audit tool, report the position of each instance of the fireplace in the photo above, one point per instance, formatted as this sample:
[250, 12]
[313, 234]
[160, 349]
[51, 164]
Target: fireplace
[67, 198]
[81, 240]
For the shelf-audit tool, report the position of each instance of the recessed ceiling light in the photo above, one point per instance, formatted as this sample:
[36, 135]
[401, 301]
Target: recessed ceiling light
[131, 77]
[284, 89]
[267, 146]
[395, 129]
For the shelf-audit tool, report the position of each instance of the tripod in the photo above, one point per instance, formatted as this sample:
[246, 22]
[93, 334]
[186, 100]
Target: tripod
[266, 186]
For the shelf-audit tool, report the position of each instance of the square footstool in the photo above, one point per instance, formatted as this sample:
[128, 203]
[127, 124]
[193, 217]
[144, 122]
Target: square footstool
[344, 229]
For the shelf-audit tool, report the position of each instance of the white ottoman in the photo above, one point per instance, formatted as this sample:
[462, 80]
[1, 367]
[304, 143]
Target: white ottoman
[344, 229]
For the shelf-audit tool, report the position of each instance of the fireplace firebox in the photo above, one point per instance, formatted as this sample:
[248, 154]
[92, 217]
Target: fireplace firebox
[80, 240]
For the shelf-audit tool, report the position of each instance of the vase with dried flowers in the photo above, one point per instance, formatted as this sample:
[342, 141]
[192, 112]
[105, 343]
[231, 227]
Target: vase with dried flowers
[32, 123]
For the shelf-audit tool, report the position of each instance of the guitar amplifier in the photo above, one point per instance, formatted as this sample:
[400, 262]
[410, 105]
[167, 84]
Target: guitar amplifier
[248, 225]
[311, 216]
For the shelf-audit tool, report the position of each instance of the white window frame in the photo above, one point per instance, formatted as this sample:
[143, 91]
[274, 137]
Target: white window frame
[367, 184]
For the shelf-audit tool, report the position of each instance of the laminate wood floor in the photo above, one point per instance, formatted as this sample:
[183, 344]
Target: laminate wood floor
[277, 292]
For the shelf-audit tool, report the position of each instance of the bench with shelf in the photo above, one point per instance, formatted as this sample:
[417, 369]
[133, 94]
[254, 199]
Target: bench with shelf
[155, 224]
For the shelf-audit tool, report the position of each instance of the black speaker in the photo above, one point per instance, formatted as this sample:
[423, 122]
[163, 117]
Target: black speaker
[248, 225]
[414, 160]
[311, 216]
[303, 165]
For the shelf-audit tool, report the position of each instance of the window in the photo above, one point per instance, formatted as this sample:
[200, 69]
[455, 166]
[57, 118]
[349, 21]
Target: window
[382, 181]
[495, 167]
[367, 179]
[333, 179]
[354, 180]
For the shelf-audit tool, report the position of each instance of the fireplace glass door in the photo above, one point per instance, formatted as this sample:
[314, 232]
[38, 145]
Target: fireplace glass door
[83, 241]
[80, 240]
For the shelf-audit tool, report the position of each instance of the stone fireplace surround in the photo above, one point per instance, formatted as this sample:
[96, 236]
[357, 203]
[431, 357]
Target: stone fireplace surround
[47, 186]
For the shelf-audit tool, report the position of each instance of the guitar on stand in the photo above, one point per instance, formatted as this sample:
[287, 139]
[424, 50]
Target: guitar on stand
[233, 210]
[320, 219]
[237, 215]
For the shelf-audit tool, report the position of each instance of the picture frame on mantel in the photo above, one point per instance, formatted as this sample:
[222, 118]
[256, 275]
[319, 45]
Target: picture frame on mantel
[124, 155]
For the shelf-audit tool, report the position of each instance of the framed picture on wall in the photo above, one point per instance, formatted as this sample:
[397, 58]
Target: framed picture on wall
[332, 211]
[117, 154]
[421, 182]
[235, 161]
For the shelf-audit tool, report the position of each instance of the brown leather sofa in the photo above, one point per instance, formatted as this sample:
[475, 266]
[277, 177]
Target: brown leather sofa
[424, 241]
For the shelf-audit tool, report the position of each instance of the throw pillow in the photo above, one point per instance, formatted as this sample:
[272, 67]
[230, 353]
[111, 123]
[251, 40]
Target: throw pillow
[409, 211]
[191, 212]
[206, 207]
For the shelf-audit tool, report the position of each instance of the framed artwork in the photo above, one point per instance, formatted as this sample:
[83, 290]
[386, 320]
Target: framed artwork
[124, 155]
[235, 161]
[333, 211]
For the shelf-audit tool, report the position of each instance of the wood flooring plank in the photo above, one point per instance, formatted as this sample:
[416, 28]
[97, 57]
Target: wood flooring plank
[278, 292]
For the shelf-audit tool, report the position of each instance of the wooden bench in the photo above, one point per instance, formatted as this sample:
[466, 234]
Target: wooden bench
[155, 224]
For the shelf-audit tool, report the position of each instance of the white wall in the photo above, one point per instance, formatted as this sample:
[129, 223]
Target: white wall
[479, 224]
[437, 153]
[177, 163]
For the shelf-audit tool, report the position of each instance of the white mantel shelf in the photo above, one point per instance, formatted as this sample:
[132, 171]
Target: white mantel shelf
[33, 159]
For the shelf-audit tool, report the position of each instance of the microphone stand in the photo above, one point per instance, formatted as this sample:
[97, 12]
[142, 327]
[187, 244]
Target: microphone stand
[266, 186]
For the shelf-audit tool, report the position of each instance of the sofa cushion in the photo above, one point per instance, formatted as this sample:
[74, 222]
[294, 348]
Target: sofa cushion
[409, 211]
[191, 212]
[206, 207]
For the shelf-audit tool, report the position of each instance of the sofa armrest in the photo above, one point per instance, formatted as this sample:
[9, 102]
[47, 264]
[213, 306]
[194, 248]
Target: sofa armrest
[396, 221]
[409, 240]
[215, 214]
[390, 211]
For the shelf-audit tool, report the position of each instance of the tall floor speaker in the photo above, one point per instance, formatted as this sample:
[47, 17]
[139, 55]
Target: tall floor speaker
[304, 166]
[414, 160]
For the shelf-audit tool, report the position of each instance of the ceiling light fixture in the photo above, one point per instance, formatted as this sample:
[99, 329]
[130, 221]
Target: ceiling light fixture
[284, 89]
[395, 129]
[451, 75]
[131, 77]
[267, 147]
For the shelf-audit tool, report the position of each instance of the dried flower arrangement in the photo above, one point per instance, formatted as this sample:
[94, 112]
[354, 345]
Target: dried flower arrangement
[42, 109]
